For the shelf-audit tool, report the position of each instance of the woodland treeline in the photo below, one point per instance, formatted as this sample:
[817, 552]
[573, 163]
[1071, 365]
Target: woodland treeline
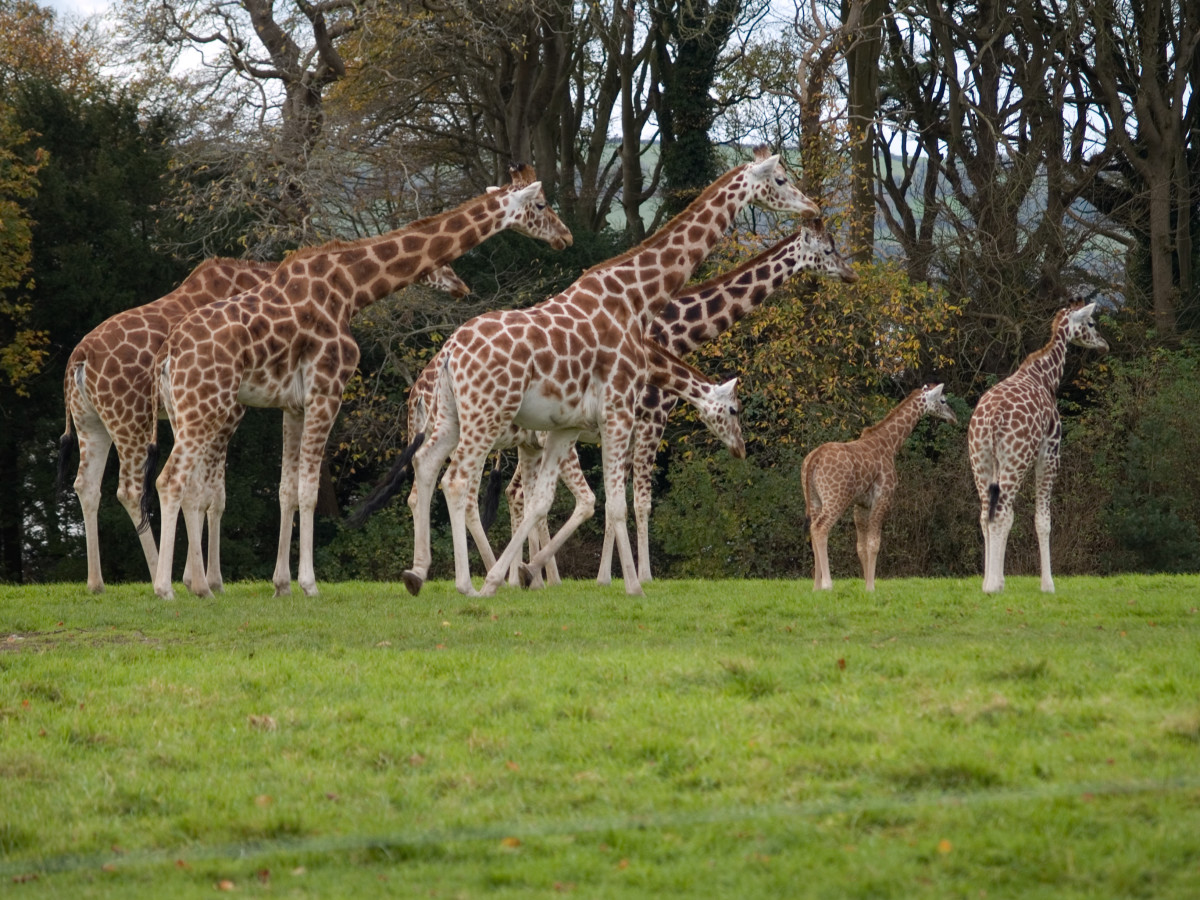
[982, 162]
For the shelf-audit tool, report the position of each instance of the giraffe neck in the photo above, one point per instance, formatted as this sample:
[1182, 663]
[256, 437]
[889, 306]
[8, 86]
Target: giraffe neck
[1045, 365]
[359, 273]
[702, 313]
[673, 377]
[646, 277]
[889, 434]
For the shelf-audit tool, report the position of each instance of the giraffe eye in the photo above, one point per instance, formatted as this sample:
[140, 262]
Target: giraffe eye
[541, 206]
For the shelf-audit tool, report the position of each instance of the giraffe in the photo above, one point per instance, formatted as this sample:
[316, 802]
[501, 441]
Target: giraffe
[107, 391]
[574, 363]
[1015, 425]
[287, 344]
[717, 406]
[695, 317]
[862, 472]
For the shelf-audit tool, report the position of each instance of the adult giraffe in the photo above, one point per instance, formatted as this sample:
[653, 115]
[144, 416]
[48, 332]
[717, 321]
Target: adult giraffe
[572, 364]
[107, 390]
[1016, 425]
[287, 344]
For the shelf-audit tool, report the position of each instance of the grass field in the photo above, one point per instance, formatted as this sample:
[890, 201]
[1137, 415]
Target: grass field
[713, 739]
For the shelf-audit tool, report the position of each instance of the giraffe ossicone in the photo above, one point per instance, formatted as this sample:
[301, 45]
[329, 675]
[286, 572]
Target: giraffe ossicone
[1015, 426]
[862, 472]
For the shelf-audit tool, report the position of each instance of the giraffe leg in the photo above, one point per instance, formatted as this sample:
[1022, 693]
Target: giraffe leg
[997, 536]
[515, 496]
[585, 508]
[319, 416]
[537, 505]
[193, 520]
[819, 532]
[215, 483]
[868, 522]
[1045, 472]
[427, 461]
[94, 444]
[647, 436]
[615, 447]
[289, 475]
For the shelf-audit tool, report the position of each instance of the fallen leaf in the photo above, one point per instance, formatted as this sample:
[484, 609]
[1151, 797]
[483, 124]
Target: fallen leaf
[226, 885]
[842, 663]
[944, 846]
[510, 843]
[384, 644]
[416, 760]
[26, 878]
[512, 766]
[108, 867]
[623, 864]
[262, 723]
[182, 864]
[264, 876]
[263, 800]
[299, 870]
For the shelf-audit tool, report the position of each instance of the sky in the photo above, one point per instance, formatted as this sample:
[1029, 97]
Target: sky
[80, 8]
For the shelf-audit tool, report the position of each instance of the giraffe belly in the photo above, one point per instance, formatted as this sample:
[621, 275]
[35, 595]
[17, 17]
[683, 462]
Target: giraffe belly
[551, 410]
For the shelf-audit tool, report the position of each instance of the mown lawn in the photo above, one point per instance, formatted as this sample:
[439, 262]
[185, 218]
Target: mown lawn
[734, 738]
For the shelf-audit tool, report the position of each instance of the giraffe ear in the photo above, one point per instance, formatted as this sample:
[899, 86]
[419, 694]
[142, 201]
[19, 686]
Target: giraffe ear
[764, 168]
[727, 390]
[529, 192]
[1082, 314]
[936, 391]
[492, 189]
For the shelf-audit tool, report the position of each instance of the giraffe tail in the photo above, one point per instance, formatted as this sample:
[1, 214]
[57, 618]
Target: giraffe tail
[993, 500]
[491, 499]
[148, 486]
[65, 443]
[388, 487]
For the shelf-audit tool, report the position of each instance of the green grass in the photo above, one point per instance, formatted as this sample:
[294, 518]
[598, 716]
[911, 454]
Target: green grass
[712, 739]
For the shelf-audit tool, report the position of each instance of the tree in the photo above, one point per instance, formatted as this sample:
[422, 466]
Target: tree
[1142, 63]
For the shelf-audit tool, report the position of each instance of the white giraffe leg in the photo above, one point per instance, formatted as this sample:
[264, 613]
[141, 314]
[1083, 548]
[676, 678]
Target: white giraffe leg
[94, 444]
[537, 505]
[997, 538]
[319, 416]
[289, 471]
[585, 507]
[1046, 471]
[441, 438]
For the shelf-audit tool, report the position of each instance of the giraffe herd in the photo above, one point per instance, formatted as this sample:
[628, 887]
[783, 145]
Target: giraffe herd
[600, 361]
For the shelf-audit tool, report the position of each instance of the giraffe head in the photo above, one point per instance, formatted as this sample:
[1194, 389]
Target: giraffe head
[933, 403]
[527, 212]
[719, 410]
[822, 254]
[771, 188]
[1080, 324]
[444, 279]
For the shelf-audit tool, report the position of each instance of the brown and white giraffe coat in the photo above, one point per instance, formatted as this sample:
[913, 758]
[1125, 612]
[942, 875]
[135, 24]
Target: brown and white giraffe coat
[1016, 425]
[287, 344]
[862, 472]
[575, 363]
[108, 388]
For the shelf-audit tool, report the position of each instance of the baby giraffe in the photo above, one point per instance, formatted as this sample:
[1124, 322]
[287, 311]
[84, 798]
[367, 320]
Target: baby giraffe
[862, 472]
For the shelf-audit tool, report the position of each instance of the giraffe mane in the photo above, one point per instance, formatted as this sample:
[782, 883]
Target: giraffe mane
[661, 235]
[1059, 316]
[674, 359]
[336, 245]
[214, 261]
[894, 411]
[751, 263]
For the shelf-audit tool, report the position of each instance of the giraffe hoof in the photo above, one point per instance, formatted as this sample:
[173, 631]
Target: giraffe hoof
[412, 581]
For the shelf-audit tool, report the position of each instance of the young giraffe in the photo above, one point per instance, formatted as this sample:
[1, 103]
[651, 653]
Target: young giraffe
[1016, 425]
[697, 316]
[862, 472]
[107, 394]
[287, 344]
[572, 364]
